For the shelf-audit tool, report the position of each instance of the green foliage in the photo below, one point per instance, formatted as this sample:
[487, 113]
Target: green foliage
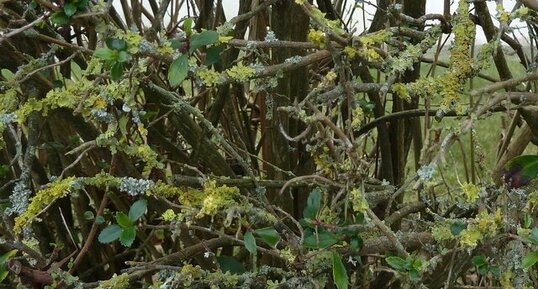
[520, 170]
[125, 229]
[530, 259]
[250, 243]
[302, 148]
[4, 258]
[204, 38]
[269, 235]
[339, 272]
[319, 240]
[230, 264]
[178, 70]
[484, 267]
[115, 56]
[411, 267]
[313, 204]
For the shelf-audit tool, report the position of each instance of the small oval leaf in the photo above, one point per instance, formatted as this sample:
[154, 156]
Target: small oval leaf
[202, 39]
[137, 210]
[70, 9]
[123, 220]
[178, 70]
[250, 242]
[269, 235]
[127, 236]
[110, 234]
[319, 241]
[397, 263]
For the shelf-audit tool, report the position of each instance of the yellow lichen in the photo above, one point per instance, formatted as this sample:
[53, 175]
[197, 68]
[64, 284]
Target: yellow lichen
[470, 236]
[169, 215]
[208, 76]
[216, 198]
[358, 115]
[116, 282]
[506, 280]
[471, 192]
[401, 90]
[166, 48]
[42, 199]
[317, 37]
[240, 73]
[351, 52]
[441, 233]
[358, 201]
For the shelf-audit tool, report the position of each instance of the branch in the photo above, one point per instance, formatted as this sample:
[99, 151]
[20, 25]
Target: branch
[5, 36]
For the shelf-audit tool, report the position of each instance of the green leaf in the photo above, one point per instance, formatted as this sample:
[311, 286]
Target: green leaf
[530, 260]
[117, 71]
[70, 9]
[312, 204]
[213, 55]
[122, 125]
[230, 264]
[479, 260]
[59, 18]
[527, 220]
[110, 234]
[137, 210]
[88, 215]
[414, 275]
[269, 235]
[203, 38]
[123, 220]
[124, 56]
[127, 236]
[187, 26]
[356, 243]
[519, 171]
[533, 236]
[3, 274]
[4, 170]
[397, 263]
[105, 54]
[322, 240]
[116, 43]
[339, 272]
[99, 220]
[457, 227]
[495, 270]
[8, 255]
[82, 4]
[250, 242]
[7, 74]
[178, 70]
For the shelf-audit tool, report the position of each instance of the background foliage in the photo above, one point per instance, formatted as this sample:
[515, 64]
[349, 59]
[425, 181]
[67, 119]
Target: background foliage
[158, 144]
